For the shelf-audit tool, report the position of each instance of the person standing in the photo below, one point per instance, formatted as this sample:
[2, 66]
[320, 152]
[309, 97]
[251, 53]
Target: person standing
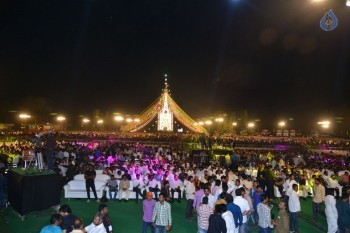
[331, 211]
[264, 212]
[124, 186]
[38, 150]
[148, 207]
[162, 215]
[294, 209]
[282, 221]
[216, 223]
[190, 191]
[50, 149]
[318, 199]
[228, 217]
[244, 206]
[203, 212]
[103, 209]
[343, 208]
[89, 176]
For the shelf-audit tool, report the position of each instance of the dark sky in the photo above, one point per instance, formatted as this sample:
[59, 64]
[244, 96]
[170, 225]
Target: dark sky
[269, 57]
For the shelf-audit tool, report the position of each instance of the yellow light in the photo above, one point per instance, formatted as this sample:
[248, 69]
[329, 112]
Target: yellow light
[100, 122]
[219, 119]
[195, 124]
[234, 124]
[129, 120]
[60, 118]
[85, 120]
[208, 122]
[282, 123]
[324, 123]
[325, 126]
[201, 123]
[119, 118]
[251, 125]
[137, 120]
[24, 116]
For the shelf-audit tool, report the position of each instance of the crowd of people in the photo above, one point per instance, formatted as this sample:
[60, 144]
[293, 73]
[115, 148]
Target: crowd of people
[230, 195]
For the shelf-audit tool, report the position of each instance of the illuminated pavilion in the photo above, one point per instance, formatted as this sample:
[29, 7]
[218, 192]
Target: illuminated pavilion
[164, 110]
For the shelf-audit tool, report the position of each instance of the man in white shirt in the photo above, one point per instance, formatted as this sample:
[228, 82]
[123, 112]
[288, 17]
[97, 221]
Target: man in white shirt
[97, 225]
[190, 190]
[294, 209]
[153, 186]
[138, 185]
[176, 186]
[245, 209]
[211, 198]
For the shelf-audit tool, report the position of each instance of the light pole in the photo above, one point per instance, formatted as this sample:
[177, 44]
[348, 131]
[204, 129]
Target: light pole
[251, 126]
[282, 124]
[324, 124]
[85, 122]
[60, 119]
[234, 126]
[24, 117]
[118, 119]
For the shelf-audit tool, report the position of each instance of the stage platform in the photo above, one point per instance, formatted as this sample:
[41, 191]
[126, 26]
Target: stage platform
[32, 191]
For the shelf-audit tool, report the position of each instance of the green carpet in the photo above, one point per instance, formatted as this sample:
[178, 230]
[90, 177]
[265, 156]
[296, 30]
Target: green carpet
[127, 217]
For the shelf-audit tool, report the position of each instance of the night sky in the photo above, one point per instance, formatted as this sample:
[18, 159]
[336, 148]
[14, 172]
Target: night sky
[267, 57]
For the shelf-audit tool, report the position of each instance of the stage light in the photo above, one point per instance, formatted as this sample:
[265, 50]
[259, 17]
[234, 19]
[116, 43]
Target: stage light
[234, 124]
[136, 120]
[201, 123]
[100, 122]
[347, 3]
[129, 120]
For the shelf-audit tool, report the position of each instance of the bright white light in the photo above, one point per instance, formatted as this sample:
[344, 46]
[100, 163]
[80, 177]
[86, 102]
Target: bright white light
[325, 126]
[137, 120]
[347, 3]
[323, 123]
[208, 122]
[234, 124]
[60, 118]
[129, 120]
[119, 118]
[24, 116]
[100, 122]
[85, 120]
[282, 124]
[220, 119]
[251, 125]
[201, 123]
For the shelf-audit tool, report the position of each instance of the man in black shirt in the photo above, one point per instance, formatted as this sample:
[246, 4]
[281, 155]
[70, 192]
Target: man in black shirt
[67, 218]
[90, 175]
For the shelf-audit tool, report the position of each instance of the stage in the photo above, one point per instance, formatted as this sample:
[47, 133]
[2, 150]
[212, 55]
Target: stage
[28, 191]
